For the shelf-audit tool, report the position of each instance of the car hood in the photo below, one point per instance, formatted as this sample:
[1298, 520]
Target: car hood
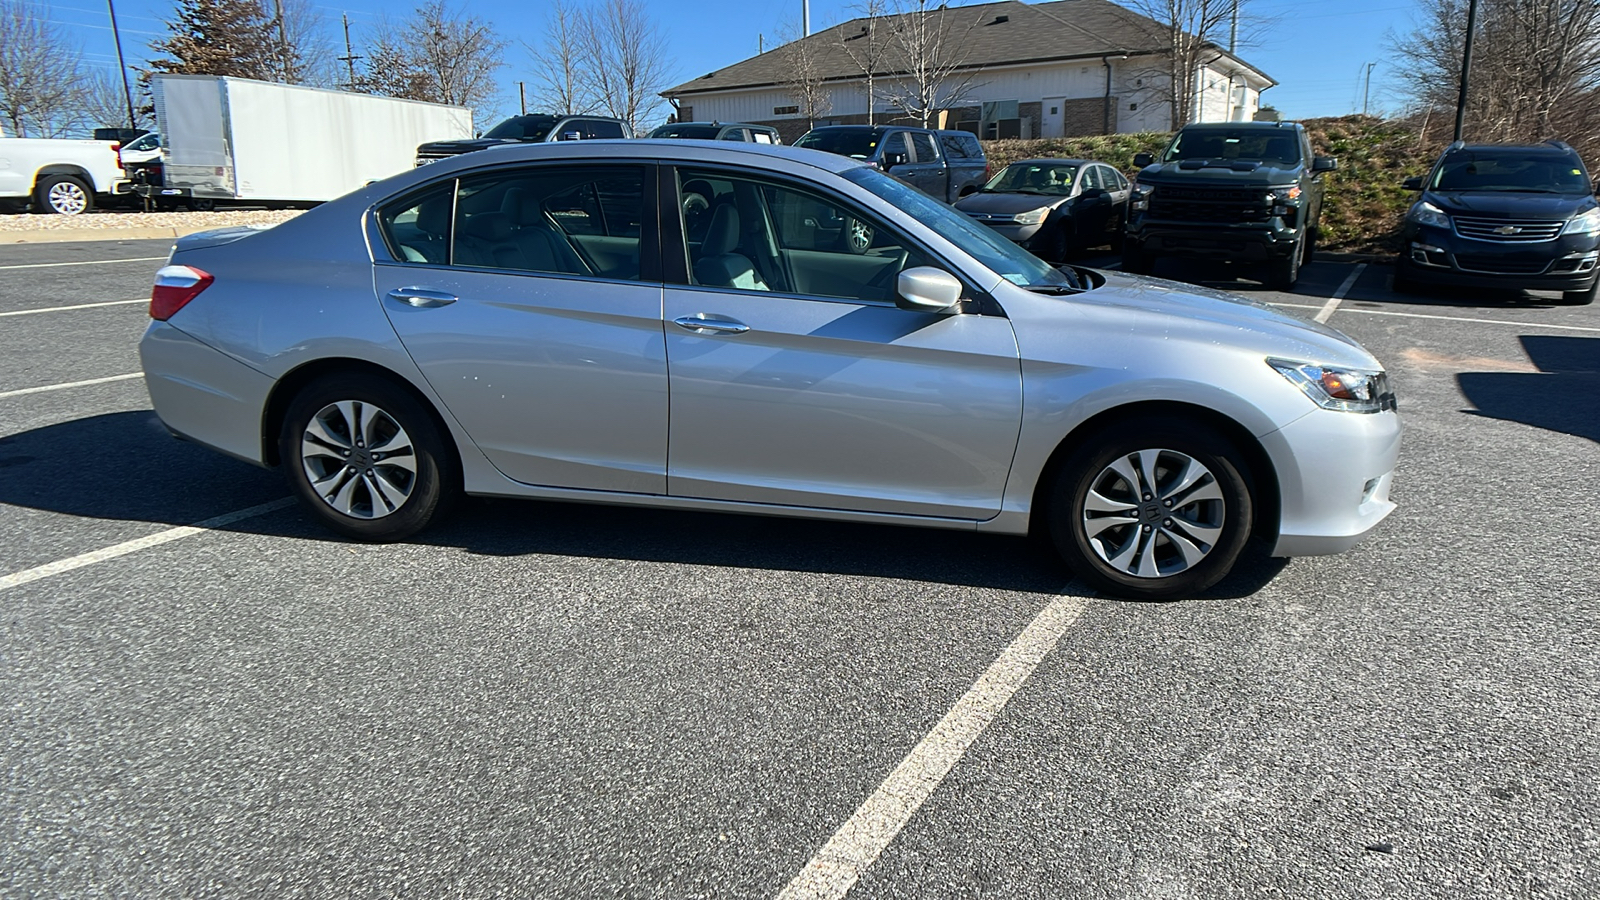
[1509, 205]
[1219, 173]
[465, 146]
[1005, 204]
[1153, 308]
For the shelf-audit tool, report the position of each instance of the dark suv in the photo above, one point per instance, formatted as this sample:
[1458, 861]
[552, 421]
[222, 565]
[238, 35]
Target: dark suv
[1236, 191]
[948, 165]
[1503, 215]
[529, 129]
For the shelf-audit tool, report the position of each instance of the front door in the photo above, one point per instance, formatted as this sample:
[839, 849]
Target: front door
[533, 315]
[795, 379]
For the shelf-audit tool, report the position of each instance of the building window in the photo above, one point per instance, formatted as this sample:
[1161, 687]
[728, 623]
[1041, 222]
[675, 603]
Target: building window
[786, 110]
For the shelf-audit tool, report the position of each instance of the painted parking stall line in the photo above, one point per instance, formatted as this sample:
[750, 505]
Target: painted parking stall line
[71, 384]
[51, 309]
[1328, 309]
[83, 262]
[833, 870]
[28, 576]
[1410, 315]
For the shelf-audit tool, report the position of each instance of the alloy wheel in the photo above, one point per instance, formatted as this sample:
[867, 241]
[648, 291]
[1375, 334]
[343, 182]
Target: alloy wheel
[1154, 513]
[358, 459]
[67, 198]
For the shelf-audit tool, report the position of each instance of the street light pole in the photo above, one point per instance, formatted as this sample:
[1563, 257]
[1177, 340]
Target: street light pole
[522, 97]
[127, 92]
[1366, 90]
[1466, 68]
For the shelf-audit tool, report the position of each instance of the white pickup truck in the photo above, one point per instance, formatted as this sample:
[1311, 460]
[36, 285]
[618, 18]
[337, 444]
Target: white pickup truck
[59, 176]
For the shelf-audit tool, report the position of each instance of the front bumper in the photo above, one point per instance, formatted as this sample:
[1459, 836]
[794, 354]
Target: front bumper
[1249, 243]
[1438, 256]
[1334, 474]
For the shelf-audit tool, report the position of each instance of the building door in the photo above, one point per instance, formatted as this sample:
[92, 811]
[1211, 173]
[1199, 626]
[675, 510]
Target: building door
[1051, 112]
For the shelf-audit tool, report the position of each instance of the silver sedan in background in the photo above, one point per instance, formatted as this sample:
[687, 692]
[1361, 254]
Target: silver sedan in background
[548, 321]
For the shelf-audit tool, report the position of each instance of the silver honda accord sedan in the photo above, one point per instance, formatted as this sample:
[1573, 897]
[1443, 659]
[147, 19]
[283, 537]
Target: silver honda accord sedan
[688, 324]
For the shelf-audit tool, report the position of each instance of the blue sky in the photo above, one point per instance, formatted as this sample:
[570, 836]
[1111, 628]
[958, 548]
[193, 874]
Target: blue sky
[1317, 52]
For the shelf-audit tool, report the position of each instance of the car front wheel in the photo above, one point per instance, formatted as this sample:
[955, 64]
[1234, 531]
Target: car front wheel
[1282, 274]
[1581, 297]
[366, 458]
[1155, 509]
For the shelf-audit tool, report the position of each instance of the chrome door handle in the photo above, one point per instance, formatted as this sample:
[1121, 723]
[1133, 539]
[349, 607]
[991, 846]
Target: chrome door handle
[699, 324]
[422, 299]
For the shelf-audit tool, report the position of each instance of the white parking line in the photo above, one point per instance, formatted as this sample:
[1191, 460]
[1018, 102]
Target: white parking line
[1333, 302]
[70, 384]
[26, 576]
[85, 262]
[45, 309]
[1390, 312]
[833, 870]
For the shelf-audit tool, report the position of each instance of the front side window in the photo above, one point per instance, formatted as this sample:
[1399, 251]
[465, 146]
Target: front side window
[753, 235]
[558, 220]
[857, 143]
[896, 143]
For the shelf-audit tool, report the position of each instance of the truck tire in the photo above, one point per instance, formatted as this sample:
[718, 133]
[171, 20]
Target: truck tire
[63, 195]
[1135, 261]
[1283, 273]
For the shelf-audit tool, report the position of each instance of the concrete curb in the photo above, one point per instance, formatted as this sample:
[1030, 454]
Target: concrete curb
[72, 235]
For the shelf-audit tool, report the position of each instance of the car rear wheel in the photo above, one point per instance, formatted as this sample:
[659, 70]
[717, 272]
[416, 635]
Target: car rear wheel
[1154, 509]
[366, 458]
[63, 195]
[1581, 297]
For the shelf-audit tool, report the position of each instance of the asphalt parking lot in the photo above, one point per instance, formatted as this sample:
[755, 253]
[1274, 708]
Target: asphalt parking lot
[542, 700]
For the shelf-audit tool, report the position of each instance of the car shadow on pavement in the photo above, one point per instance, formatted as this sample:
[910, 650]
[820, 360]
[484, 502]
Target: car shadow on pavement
[126, 467]
[1564, 395]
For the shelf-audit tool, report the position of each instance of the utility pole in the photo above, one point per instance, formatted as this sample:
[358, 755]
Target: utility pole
[349, 58]
[761, 44]
[522, 97]
[805, 18]
[127, 92]
[1466, 68]
[1233, 28]
[1366, 91]
[283, 41]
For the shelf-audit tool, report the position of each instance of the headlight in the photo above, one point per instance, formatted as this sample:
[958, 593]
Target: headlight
[1031, 217]
[1342, 389]
[1283, 194]
[1141, 196]
[1588, 223]
[1425, 213]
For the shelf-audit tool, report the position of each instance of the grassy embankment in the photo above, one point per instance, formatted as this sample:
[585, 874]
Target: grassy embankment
[1364, 201]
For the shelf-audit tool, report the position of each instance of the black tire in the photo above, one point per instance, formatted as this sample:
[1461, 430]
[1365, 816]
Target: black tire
[201, 204]
[1061, 242]
[368, 513]
[64, 195]
[1580, 297]
[1134, 261]
[1308, 248]
[1404, 283]
[1218, 505]
[1283, 273]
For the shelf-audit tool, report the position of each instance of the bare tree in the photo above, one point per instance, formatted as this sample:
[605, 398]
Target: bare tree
[869, 47]
[1188, 34]
[105, 105]
[315, 55]
[559, 64]
[627, 60]
[40, 72]
[803, 60]
[437, 55]
[1535, 70]
[929, 46]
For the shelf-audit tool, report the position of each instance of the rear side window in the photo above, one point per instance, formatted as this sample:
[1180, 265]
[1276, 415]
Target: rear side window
[417, 228]
[960, 145]
[595, 128]
[923, 142]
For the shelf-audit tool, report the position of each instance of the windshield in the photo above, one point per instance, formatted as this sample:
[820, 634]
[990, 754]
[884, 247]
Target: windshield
[1034, 178]
[983, 243]
[702, 132]
[1510, 172]
[522, 128]
[1257, 145]
[857, 144]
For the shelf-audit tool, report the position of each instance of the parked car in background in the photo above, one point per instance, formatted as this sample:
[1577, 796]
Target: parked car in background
[1053, 206]
[1248, 192]
[420, 337]
[65, 177]
[1513, 216]
[943, 164]
[142, 149]
[533, 128]
[719, 131]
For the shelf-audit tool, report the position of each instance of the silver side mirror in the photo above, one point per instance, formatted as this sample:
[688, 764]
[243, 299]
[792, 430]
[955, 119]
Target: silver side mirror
[926, 289]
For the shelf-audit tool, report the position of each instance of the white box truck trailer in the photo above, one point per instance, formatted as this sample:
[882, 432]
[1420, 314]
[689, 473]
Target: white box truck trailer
[233, 139]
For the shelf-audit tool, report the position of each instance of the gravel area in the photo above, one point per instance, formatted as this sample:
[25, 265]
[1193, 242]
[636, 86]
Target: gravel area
[183, 221]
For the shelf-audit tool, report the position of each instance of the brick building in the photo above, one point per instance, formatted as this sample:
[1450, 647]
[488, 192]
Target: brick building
[1055, 69]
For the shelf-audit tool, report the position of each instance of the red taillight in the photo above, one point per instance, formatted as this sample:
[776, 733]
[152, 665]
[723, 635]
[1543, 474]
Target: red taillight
[175, 287]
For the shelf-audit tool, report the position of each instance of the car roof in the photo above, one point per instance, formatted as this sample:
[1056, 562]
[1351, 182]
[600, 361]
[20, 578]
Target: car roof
[1242, 126]
[1057, 161]
[1528, 149]
[672, 150]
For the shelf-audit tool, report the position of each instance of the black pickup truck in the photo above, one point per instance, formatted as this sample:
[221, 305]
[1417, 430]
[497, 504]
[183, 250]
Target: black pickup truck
[1235, 191]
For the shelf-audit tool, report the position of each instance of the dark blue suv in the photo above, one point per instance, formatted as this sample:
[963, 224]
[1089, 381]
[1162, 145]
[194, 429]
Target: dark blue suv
[1504, 216]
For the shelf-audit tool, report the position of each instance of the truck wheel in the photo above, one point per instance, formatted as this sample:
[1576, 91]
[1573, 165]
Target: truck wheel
[1134, 261]
[1283, 273]
[63, 195]
[202, 204]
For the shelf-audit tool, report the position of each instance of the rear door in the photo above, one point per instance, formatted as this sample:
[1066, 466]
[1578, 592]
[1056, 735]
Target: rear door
[927, 170]
[523, 296]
